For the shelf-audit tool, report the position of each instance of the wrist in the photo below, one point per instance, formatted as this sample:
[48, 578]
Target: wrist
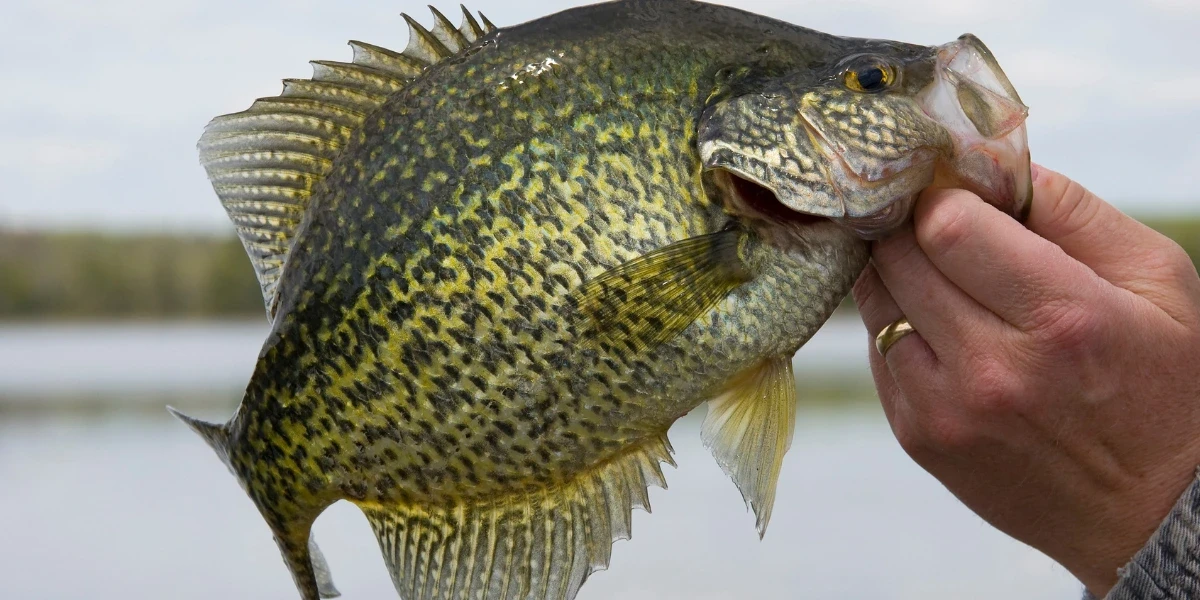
[1165, 567]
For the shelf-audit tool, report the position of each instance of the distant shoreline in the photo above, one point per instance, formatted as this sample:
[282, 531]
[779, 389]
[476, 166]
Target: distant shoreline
[85, 276]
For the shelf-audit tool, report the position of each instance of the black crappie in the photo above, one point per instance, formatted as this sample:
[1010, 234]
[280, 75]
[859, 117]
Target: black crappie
[501, 263]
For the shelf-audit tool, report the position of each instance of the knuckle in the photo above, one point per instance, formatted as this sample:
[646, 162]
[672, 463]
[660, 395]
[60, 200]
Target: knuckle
[949, 434]
[1075, 207]
[1176, 263]
[992, 388]
[912, 443]
[1066, 327]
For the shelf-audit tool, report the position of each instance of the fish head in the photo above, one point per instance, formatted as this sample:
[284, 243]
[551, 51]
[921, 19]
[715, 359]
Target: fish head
[854, 130]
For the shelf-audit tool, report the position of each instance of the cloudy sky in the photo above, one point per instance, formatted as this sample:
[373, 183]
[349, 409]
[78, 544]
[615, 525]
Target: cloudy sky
[102, 101]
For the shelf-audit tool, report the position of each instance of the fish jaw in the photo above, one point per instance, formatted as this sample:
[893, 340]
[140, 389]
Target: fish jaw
[973, 99]
[949, 117]
[983, 148]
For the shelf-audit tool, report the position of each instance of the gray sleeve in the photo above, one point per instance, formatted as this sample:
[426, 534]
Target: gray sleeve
[1168, 566]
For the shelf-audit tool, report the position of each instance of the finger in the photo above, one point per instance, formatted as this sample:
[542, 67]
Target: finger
[1021, 277]
[878, 310]
[1087, 228]
[1116, 247]
[935, 306]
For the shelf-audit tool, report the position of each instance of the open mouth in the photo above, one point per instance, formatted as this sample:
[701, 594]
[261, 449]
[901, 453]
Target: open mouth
[754, 201]
[892, 198]
[976, 103]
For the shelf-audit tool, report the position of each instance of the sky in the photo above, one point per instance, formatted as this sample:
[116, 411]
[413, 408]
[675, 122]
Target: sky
[102, 101]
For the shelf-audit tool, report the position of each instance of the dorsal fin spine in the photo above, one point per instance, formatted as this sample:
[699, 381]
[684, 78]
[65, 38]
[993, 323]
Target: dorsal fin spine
[423, 44]
[487, 25]
[470, 27]
[445, 31]
[289, 121]
[354, 74]
[307, 106]
[383, 59]
[333, 92]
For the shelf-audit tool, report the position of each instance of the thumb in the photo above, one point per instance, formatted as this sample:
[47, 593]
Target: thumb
[1115, 246]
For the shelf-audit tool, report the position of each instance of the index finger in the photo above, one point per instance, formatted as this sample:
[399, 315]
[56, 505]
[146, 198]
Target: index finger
[1021, 277]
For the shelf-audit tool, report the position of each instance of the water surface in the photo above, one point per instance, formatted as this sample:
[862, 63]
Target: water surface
[127, 503]
[138, 507]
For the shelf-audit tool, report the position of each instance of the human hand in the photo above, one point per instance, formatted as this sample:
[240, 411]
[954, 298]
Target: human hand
[1053, 384]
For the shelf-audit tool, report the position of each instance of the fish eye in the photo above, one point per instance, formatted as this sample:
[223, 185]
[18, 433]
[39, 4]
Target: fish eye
[869, 80]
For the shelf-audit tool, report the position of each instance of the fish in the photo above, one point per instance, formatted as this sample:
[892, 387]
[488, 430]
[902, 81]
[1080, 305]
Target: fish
[500, 263]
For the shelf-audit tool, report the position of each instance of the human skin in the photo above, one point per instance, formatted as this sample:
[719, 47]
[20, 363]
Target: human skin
[1053, 382]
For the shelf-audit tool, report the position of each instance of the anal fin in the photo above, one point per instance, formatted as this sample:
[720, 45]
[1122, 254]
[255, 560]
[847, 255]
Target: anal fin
[749, 428]
[536, 546]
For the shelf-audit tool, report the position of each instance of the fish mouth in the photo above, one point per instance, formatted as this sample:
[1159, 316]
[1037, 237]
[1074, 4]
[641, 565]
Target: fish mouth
[974, 101]
[963, 128]
[985, 148]
[757, 201]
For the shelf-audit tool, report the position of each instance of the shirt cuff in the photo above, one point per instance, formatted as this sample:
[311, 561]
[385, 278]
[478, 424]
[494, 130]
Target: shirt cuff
[1168, 566]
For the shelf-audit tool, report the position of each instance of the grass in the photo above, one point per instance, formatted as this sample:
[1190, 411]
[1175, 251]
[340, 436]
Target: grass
[101, 276]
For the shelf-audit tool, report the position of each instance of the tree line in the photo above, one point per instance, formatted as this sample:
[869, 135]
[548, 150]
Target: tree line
[85, 275]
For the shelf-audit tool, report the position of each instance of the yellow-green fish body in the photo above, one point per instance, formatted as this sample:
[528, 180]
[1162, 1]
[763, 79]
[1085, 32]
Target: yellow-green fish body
[502, 263]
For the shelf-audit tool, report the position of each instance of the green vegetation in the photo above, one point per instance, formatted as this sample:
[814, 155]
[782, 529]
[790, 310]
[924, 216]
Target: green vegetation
[103, 276]
[94, 275]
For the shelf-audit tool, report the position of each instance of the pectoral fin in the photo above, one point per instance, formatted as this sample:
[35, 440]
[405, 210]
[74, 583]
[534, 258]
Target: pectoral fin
[651, 299]
[749, 428]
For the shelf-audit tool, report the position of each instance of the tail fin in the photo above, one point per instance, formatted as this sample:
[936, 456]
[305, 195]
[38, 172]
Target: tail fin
[303, 557]
[217, 436]
[307, 564]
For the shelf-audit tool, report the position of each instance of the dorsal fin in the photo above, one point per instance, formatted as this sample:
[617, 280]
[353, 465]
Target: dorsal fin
[265, 162]
[470, 27]
[423, 44]
[446, 32]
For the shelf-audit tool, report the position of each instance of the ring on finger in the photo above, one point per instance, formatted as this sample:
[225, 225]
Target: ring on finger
[892, 334]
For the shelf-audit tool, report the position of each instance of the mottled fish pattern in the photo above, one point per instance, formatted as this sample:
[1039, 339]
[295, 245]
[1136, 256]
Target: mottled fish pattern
[498, 268]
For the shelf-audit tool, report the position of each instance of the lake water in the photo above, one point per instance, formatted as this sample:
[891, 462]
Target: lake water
[124, 502]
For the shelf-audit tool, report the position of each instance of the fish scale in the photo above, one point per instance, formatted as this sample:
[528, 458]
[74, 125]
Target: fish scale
[500, 264]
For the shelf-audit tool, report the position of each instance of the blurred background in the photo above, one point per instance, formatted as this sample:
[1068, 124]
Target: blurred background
[122, 289]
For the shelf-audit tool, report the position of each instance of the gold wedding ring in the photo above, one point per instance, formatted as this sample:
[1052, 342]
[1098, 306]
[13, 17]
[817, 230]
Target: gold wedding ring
[892, 334]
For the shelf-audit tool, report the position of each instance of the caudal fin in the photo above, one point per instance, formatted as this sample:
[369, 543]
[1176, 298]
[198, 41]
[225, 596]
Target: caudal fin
[302, 555]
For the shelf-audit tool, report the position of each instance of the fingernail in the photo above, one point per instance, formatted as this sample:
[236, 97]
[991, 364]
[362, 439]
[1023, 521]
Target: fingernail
[1035, 171]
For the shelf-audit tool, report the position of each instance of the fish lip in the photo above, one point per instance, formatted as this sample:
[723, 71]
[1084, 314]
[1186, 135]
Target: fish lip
[990, 153]
[957, 68]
